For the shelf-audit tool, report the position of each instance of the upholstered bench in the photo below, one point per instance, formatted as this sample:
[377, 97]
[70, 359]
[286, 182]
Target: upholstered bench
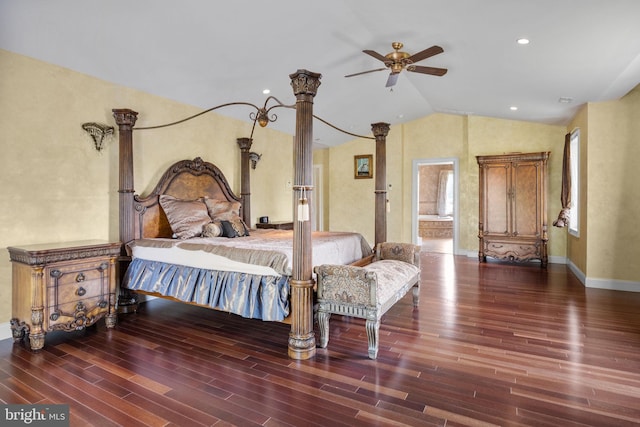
[368, 292]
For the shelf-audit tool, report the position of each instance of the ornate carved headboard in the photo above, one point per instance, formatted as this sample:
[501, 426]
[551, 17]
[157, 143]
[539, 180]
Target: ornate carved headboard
[186, 179]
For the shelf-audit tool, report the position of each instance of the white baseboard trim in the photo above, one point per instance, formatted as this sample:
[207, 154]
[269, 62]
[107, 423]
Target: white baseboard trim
[469, 254]
[588, 282]
[557, 260]
[575, 270]
[611, 284]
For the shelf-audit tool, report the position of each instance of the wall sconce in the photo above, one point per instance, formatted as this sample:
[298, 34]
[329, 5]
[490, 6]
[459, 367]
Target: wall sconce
[98, 132]
[254, 158]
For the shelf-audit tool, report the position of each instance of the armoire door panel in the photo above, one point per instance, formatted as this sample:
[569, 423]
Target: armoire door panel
[526, 196]
[497, 213]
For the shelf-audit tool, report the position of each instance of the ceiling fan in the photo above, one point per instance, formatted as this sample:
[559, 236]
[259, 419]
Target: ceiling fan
[397, 61]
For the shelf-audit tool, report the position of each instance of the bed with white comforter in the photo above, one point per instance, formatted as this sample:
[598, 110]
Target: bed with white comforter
[248, 275]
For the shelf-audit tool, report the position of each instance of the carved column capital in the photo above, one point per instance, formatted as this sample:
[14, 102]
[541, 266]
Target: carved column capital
[245, 143]
[380, 130]
[305, 82]
[125, 118]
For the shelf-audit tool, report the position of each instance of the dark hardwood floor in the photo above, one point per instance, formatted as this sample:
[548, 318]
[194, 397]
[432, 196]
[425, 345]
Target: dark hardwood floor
[491, 344]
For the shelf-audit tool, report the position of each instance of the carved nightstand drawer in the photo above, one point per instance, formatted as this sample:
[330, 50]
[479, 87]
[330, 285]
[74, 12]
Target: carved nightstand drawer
[62, 287]
[76, 315]
[73, 292]
[74, 273]
[72, 282]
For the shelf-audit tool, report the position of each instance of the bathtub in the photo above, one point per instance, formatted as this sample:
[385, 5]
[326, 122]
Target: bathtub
[434, 226]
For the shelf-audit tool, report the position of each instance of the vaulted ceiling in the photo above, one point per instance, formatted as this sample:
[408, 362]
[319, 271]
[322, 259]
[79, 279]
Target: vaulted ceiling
[206, 53]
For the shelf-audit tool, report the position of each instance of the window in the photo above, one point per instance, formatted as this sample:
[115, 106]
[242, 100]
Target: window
[574, 213]
[445, 193]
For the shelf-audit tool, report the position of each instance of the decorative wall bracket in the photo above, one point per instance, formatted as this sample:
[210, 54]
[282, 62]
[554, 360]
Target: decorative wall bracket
[254, 158]
[98, 132]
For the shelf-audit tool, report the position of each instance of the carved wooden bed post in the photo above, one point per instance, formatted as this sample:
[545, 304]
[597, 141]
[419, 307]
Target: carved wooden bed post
[302, 343]
[380, 131]
[125, 119]
[245, 179]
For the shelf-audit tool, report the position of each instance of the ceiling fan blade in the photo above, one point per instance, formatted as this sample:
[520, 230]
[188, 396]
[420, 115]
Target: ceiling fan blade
[393, 78]
[365, 72]
[434, 71]
[427, 53]
[376, 55]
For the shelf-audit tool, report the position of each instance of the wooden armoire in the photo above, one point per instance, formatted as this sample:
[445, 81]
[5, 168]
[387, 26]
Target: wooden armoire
[513, 207]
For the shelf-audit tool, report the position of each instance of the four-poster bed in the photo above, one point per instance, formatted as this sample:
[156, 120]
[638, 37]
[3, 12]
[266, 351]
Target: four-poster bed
[144, 224]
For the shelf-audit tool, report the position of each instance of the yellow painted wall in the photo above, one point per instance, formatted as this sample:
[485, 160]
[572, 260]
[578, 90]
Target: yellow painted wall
[270, 194]
[351, 201]
[436, 137]
[397, 214]
[613, 245]
[55, 186]
[321, 158]
[577, 246]
[496, 136]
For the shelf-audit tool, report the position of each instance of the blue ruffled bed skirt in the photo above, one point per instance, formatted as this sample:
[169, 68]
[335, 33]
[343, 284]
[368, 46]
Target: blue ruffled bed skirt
[248, 295]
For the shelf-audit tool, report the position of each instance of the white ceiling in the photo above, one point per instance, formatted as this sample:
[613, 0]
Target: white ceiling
[206, 53]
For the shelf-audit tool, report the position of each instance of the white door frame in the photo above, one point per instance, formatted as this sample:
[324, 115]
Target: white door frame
[415, 194]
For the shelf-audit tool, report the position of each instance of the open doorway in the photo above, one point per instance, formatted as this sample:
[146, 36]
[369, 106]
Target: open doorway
[435, 205]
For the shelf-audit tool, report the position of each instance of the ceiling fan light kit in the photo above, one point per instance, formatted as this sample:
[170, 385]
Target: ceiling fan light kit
[397, 61]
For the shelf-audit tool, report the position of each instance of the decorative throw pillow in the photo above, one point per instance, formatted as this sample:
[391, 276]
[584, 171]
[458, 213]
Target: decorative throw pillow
[213, 229]
[222, 210]
[234, 228]
[186, 217]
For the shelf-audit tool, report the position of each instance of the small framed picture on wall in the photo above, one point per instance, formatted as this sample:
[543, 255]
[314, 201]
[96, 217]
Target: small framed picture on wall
[363, 166]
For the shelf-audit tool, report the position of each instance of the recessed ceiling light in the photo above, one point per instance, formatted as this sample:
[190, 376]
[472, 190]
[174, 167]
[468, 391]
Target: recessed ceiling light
[513, 108]
[565, 100]
[266, 91]
[523, 41]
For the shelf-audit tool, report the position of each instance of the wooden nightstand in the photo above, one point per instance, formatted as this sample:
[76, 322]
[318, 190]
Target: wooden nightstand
[62, 286]
[280, 225]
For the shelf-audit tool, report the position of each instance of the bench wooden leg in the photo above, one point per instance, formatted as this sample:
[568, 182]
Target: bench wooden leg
[323, 326]
[373, 328]
[416, 295]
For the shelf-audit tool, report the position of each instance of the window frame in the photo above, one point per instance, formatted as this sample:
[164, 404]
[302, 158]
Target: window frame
[574, 210]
